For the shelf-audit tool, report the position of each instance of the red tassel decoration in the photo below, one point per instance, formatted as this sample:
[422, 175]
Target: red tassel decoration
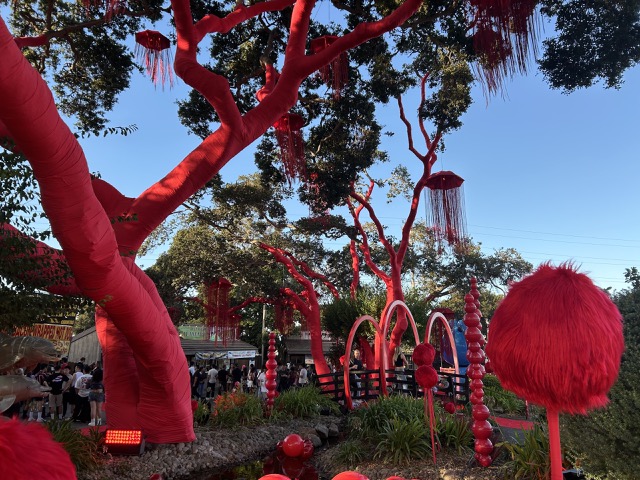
[557, 317]
[447, 207]
[336, 73]
[220, 324]
[503, 31]
[152, 49]
[284, 315]
[289, 137]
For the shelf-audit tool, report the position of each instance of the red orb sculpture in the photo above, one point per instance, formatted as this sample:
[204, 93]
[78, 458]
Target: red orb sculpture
[426, 376]
[350, 475]
[450, 408]
[274, 476]
[293, 445]
[424, 354]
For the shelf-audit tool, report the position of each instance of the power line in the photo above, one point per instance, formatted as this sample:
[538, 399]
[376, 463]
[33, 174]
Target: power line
[557, 234]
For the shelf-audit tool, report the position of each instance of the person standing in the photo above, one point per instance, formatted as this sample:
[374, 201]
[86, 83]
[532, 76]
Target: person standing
[82, 412]
[200, 383]
[223, 375]
[262, 384]
[355, 364]
[303, 376]
[58, 383]
[236, 375]
[212, 378]
[96, 396]
[400, 363]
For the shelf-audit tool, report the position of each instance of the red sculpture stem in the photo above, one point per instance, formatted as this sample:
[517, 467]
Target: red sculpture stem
[481, 428]
[554, 445]
[355, 267]
[271, 374]
[428, 400]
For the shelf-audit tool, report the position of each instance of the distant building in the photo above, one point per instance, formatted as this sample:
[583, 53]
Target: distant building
[299, 347]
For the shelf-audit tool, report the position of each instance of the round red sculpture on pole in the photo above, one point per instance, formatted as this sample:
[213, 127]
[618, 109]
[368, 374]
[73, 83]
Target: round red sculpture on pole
[271, 372]
[557, 316]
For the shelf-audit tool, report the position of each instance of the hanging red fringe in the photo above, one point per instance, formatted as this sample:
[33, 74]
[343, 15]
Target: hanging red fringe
[503, 32]
[447, 207]
[221, 325]
[284, 316]
[152, 49]
[336, 73]
[289, 137]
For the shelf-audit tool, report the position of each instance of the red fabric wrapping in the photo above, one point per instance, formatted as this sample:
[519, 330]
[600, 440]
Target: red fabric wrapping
[447, 207]
[153, 49]
[556, 340]
[28, 451]
[336, 73]
[289, 137]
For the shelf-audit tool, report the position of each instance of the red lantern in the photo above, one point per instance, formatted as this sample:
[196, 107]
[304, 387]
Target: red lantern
[152, 48]
[447, 207]
[289, 137]
[293, 445]
[336, 73]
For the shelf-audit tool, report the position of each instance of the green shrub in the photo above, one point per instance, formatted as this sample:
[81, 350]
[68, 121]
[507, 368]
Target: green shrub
[233, 409]
[402, 440]
[83, 449]
[454, 431]
[529, 460]
[304, 402]
[201, 414]
[497, 398]
[351, 452]
[607, 441]
[368, 422]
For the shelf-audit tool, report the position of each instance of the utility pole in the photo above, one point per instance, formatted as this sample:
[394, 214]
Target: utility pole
[264, 318]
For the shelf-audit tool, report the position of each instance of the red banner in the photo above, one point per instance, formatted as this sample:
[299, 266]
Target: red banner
[59, 335]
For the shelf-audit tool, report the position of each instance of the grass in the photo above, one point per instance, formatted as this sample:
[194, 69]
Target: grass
[83, 449]
[304, 402]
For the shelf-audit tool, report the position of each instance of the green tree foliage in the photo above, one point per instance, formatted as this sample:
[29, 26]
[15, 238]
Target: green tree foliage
[597, 40]
[606, 441]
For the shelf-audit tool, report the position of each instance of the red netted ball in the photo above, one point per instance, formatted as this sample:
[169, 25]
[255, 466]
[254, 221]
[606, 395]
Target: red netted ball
[28, 451]
[424, 354]
[426, 376]
[556, 340]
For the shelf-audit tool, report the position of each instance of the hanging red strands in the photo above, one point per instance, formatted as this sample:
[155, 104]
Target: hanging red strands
[289, 137]
[284, 315]
[153, 49]
[447, 207]
[503, 32]
[336, 73]
[226, 326]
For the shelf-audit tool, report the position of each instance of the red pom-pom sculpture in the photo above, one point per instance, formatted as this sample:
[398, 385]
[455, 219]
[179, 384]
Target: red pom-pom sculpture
[427, 378]
[556, 340]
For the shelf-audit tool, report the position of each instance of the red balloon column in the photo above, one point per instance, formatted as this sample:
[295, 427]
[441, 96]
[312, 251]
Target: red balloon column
[556, 340]
[481, 428]
[427, 378]
[271, 372]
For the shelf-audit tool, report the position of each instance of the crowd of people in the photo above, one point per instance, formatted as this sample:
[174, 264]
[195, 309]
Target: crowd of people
[78, 396]
[209, 381]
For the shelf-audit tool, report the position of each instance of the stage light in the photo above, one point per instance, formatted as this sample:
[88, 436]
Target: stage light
[124, 442]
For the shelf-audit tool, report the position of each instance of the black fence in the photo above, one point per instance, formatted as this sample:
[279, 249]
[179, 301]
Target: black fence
[365, 385]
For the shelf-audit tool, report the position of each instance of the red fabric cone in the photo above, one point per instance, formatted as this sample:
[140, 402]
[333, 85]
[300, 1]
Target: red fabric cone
[152, 49]
[556, 340]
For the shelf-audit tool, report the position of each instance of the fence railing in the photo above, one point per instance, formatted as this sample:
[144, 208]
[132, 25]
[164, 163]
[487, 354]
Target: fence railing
[365, 385]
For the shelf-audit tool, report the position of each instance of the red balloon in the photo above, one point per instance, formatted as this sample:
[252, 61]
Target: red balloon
[424, 354]
[293, 445]
[274, 476]
[349, 475]
[307, 451]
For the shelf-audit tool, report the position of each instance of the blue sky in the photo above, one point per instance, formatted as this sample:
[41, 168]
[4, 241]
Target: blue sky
[551, 175]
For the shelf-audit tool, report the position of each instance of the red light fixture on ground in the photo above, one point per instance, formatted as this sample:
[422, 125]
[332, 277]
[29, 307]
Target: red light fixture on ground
[124, 442]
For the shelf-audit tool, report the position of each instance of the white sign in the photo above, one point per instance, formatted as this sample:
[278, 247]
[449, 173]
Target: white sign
[241, 354]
